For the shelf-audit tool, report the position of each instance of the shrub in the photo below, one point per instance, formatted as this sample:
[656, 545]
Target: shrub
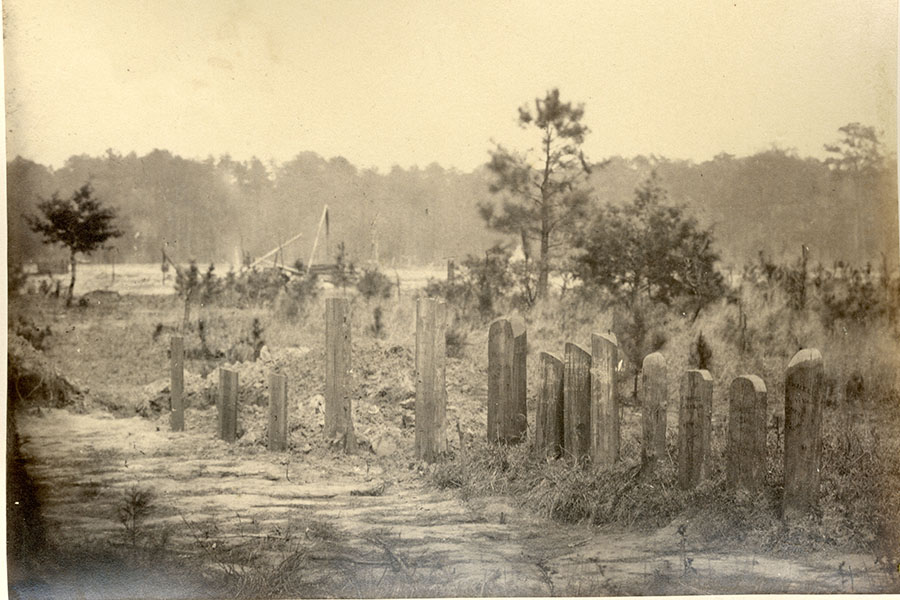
[455, 340]
[30, 331]
[210, 286]
[652, 249]
[344, 272]
[288, 293]
[639, 332]
[187, 281]
[258, 287]
[483, 285]
[17, 278]
[374, 284]
[297, 293]
[853, 299]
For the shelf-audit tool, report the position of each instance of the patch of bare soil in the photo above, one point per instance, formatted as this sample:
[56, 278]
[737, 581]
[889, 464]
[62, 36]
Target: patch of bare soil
[329, 524]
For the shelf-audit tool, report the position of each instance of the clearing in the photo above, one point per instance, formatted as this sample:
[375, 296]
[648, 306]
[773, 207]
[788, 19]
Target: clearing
[132, 509]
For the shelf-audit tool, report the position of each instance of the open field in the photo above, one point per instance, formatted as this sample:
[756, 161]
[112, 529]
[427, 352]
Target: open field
[147, 279]
[120, 492]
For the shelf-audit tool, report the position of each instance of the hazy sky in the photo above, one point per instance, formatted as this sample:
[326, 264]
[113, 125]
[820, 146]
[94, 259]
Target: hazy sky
[416, 82]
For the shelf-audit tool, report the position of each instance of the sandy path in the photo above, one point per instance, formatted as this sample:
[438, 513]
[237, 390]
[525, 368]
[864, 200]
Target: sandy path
[221, 503]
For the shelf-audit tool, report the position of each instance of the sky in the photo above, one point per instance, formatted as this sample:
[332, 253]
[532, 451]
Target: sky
[398, 82]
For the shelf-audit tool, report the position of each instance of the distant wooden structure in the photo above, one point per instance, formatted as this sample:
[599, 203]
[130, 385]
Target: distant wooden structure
[318, 269]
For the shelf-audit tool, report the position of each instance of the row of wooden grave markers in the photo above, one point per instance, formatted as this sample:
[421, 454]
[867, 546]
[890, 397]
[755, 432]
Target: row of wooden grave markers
[431, 391]
[227, 401]
[578, 413]
[577, 409]
[507, 419]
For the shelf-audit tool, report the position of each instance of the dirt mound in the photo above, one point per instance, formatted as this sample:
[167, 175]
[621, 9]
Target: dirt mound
[156, 396]
[99, 298]
[33, 381]
[383, 398]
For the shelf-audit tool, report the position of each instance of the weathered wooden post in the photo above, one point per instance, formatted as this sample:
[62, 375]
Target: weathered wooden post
[604, 401]
[431, 370]
[694, 423]
[745, 457]
[654, 403]
[176, 384]
[278, 414]
[338, 410]
[227, 404]
[577, 402]
[804, 390]
[548, 430]
[500, 376]
[507, 350]
[517, 420]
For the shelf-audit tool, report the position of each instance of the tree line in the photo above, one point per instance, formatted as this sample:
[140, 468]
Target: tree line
[843, 208]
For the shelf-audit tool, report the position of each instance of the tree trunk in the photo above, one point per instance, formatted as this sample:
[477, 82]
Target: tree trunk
[71, 293]
[544, 267]
[185, 323]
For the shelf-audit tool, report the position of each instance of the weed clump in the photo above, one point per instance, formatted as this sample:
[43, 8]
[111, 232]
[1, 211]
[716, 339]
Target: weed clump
[28, 330]
[859, 500]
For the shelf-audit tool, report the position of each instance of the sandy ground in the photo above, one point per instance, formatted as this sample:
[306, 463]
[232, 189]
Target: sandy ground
[351, 515]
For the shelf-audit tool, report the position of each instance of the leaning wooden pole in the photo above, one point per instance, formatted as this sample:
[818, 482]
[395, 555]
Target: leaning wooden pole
[274, 251]
[312, 254]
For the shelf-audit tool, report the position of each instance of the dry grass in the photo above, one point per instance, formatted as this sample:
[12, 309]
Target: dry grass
[860, 494]
[860, 497]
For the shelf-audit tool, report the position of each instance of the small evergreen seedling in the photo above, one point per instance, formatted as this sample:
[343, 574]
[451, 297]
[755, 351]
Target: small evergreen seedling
[377, 322]
[135, 506]
[256, 338]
